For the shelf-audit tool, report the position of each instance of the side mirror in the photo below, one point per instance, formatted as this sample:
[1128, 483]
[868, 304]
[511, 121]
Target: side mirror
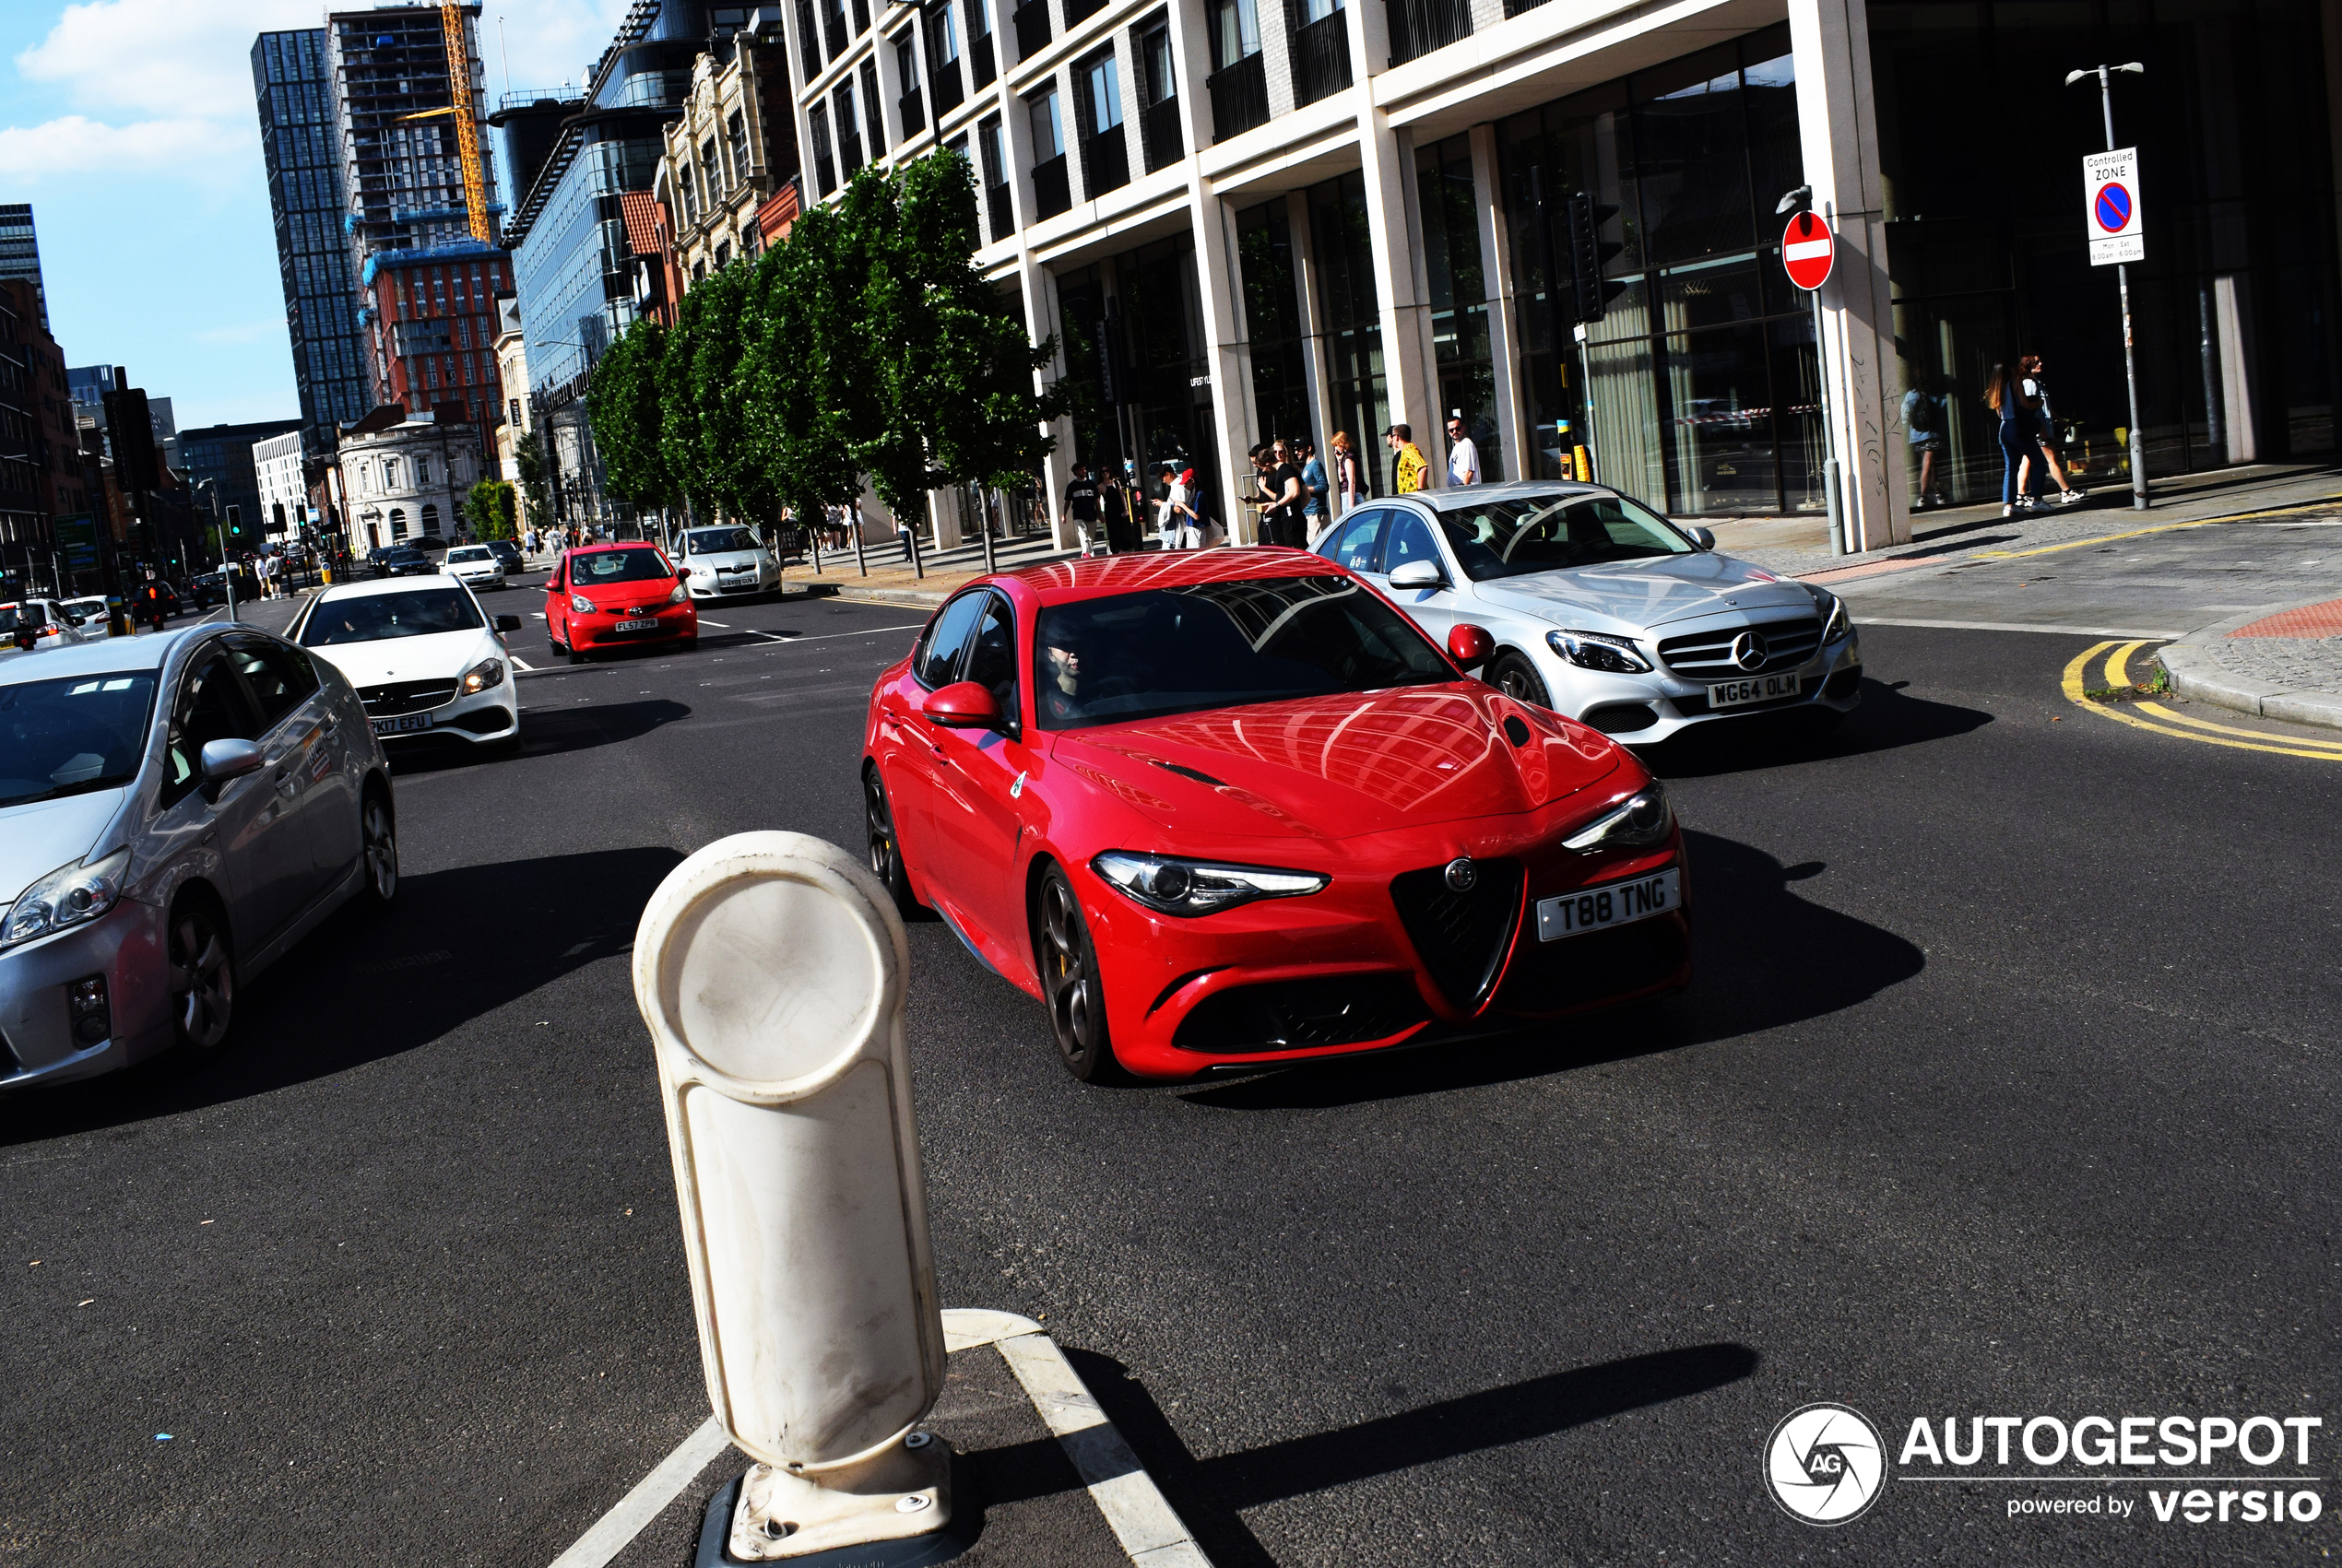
[682, 573]
[508, 623]
[1470, 646]
[1419, 575]
[963, 704]
[1701, 538]
[225, 760]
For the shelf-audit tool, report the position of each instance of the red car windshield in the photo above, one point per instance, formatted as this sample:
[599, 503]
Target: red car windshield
[1221, 645]
[598, 567]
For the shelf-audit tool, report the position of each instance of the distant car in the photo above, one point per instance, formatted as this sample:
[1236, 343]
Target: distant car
[603, 598]
[476, 564]
[1604, 611]
[96, 615]
[205, 589]
[509, 553]
[721, 563]
[176, 812]
[432, 542]
[424, 657]
[44, 618]
[401, 561]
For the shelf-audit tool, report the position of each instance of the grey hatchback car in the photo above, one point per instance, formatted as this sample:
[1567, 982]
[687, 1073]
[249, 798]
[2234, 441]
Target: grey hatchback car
[177, 811]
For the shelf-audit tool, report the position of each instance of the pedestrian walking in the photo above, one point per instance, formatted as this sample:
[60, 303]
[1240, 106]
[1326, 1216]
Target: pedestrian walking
[1313, 494]
[1463, 457]
[1927, 417]
[1082, 506]
[1349, 486]
[2005, 399]
[1167, 506]
[1114, 504]
[1281, 495]
[1408, 477]
[2036, 393]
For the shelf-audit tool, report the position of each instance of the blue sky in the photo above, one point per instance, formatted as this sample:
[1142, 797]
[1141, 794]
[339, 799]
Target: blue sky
[129, 125]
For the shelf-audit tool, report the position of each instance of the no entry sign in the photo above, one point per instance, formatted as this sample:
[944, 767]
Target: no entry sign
[1809, 250]
[2111, 194]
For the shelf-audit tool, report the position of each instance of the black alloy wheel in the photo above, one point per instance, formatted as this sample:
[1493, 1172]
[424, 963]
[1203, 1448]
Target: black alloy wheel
[1069, 964]
[886, 849]
[202, 974]
[1519, 679]
[378, 833]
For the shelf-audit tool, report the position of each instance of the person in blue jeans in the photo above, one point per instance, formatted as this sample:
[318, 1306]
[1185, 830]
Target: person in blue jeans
[1313, 488]
[2019, 440]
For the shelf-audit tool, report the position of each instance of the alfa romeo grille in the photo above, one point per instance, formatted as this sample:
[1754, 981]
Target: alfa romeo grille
[1461, 938]
[1709, 656]
[404, 697]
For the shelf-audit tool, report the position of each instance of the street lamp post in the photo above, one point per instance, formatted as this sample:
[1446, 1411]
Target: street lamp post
[227, 571]
[2123, 280]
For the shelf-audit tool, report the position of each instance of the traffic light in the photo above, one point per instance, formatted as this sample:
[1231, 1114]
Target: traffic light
[235, 521]
[1585, 254]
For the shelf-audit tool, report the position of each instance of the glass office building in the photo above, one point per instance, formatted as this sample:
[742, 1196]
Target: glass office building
[292, 82]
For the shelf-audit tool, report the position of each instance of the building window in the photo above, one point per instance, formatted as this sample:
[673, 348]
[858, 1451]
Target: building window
[423, 472]
[398, 522]
[431, 518]
[723, 253]
[1159, 101]
[873, 120]
[390, 473]
[909, 107]
[980, 58]
[1105, 165]
[849, 135]
[992, 139]
[1240, 82]
[1051, 194]
[711, 183]
[736, 133]
[825, 169]
[1459, 297]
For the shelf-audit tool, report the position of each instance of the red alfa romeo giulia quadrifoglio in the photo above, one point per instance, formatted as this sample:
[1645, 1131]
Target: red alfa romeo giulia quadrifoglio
[1228, 807]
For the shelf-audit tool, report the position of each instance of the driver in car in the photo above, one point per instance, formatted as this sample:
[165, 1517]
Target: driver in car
[1060, 695]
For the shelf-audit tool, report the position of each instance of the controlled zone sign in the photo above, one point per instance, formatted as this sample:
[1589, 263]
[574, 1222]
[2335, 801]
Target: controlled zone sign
[2111, 196]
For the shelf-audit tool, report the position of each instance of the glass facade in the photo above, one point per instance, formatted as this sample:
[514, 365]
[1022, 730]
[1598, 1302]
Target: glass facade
[1697, 390]
[1458, 281]
[2233, 310]
[292, 81]
[1273, 322]
[1356, 385]
[21, 252]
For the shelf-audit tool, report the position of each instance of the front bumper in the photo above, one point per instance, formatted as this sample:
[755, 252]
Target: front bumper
[1337, 973]
[600, 632]
[483, 716]
[126, 948]
[733, 586]
[1642, 710]
[478, 579]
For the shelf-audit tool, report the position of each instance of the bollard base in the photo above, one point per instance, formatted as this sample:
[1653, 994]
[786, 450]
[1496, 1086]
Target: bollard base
[770, 1515]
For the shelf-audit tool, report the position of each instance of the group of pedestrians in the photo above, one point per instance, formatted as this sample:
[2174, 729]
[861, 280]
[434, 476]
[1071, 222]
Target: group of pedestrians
[2018, 396]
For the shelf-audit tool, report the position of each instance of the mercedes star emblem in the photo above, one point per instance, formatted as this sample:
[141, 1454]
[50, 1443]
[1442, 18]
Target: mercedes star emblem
[1748, 651]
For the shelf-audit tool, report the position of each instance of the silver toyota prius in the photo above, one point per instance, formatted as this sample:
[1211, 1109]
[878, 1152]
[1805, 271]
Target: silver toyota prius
[1604, 611]
[177, 811]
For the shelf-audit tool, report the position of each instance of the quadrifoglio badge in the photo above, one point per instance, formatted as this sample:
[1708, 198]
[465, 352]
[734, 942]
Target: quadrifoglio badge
[1825, 1464]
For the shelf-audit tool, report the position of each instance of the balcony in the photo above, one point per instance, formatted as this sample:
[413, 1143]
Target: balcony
[995, 203]
[1515, 7]
[1077, 9]
[981, 59]
[1418, 27]
[833, 28]
[1321, 58]
[913, 109]
[1106, 164]
[1240, 96]
[945, 80]
[849, 153]
[1159, 134]
[1052, 193]
[1032, 20]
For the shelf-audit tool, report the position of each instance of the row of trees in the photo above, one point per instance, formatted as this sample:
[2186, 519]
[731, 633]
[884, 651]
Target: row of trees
[867, 342]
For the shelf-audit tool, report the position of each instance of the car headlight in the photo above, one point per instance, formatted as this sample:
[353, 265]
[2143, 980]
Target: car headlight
[1640, 820]
[483, 675]
[1598, 649]
[1836, 621]
[71, 895]
[1169, 885]
[679, 594]
[580, 604]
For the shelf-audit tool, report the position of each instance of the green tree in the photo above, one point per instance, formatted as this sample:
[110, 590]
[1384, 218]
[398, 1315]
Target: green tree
[624, 405]
[530, 458]
[491, 506]
[703, 425]
[804, 384]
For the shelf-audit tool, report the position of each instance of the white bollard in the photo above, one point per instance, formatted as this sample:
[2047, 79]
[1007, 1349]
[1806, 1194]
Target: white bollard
[770, 968]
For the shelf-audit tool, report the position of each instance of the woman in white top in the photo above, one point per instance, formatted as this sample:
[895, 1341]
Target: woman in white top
[2036, 395]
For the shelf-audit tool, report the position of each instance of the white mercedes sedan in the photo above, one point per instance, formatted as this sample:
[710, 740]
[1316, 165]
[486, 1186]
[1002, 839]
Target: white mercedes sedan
[425, 660]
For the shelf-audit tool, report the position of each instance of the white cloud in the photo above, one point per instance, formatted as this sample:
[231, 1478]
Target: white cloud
[175, 59]
[74, 145]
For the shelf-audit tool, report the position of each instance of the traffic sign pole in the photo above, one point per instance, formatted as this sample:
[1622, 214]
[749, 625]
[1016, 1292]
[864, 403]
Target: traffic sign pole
[1809, 253]
[2122, 205]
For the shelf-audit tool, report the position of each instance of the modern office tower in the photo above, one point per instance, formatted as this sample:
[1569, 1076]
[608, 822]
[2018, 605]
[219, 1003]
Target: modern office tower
[20, 251]
[402, 152]
[222, 454]
[293, 87]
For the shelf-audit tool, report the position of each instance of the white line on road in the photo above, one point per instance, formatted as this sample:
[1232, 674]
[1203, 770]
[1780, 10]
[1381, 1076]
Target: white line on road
[725, 624]
[520, 663]
[2017, 626]
[614, 1529]
[827, 636]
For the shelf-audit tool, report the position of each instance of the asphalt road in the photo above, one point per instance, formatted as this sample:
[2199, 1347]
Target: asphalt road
[2005, 1088]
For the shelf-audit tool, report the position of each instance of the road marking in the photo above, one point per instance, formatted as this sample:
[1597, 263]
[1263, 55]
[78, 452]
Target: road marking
[520, 663]
[2019, 626]
[2141, 533]
[2161, 712]
[2118, 667]
[539, 614]
[614, 1530]
[827, 636]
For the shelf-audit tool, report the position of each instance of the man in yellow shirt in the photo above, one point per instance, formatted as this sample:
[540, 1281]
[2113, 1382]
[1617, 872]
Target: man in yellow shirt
[1412, 466]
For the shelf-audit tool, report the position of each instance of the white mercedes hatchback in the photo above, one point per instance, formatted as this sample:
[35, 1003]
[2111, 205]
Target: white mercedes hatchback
[424, 658]
[722, 563]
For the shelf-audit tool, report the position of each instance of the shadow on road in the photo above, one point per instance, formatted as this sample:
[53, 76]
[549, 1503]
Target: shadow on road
[1211, 1493]
[366, 986]
[1762, 958]
[1887, 718]
[545, 731]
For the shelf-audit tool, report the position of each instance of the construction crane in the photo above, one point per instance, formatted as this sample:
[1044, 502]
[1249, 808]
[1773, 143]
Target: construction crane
[459, 87]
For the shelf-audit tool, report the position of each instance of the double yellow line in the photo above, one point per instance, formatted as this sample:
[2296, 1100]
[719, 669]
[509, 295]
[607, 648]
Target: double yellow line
[2161, 720]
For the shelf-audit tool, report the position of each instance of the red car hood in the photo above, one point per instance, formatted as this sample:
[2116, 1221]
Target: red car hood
[652, 590]
[1336, 767]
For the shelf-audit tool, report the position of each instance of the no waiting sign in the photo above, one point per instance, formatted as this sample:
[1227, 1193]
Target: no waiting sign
[2111, 196]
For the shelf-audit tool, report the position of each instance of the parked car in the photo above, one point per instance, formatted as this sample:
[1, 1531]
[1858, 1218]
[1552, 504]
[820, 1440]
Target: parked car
[176, 812]
[423, 656]
[720, 562]
[475, 565]
[1223, 808]
[1605, 611]
[602, 598]
[508, 553]
[45, 622]
[206, 589]
[401, 561]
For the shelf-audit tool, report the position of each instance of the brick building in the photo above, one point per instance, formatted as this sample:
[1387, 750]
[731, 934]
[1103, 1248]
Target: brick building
[433, 316]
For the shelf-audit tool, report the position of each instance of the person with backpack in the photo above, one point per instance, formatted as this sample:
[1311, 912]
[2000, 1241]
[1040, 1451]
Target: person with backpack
[1926, 414]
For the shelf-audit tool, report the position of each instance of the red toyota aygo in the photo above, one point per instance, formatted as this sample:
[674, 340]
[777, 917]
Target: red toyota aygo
[1226, 808]
[607, 596]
